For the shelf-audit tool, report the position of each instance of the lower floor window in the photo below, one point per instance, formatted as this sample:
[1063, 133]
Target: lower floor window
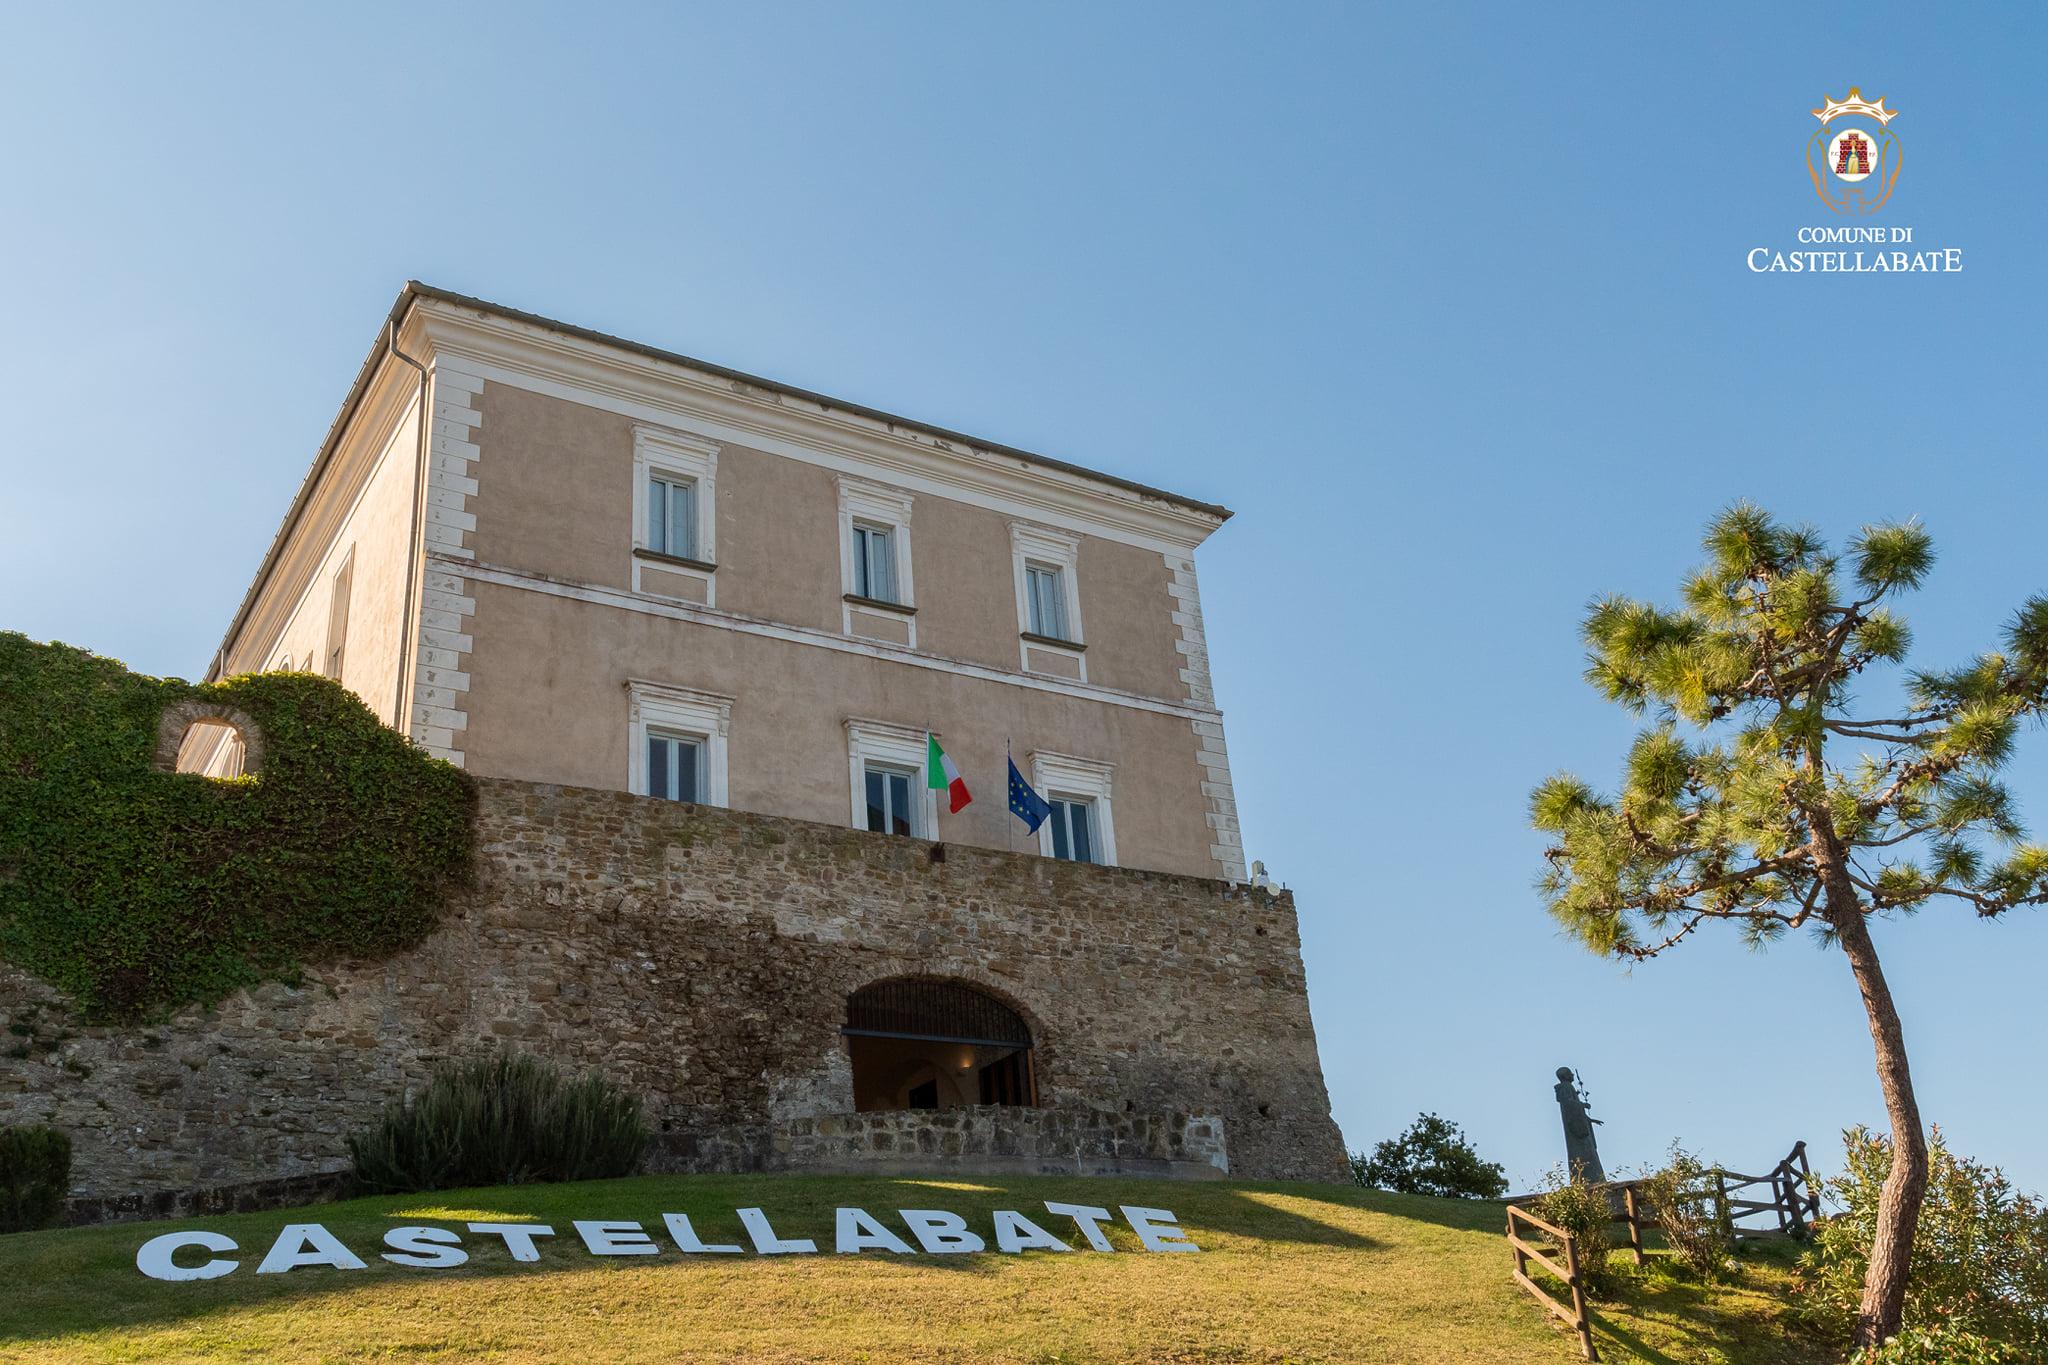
[889, 808]
[674, 766]
[1073, 830]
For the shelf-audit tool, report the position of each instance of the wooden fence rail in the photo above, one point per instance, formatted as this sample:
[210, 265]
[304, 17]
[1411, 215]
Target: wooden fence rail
[1793, 1202]
[1570, 1273]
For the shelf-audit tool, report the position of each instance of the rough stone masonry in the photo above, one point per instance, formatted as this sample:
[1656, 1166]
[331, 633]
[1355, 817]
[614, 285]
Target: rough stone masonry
[703, 958]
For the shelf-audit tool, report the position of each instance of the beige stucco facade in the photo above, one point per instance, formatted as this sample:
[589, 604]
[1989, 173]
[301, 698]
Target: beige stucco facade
[534, 629]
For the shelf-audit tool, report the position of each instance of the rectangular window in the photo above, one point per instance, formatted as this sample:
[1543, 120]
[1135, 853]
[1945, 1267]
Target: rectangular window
[1046, 592]
[1073, 830]
[674, 766]
[889, 808]
[874, 564]
[672, 516]
[337, 617]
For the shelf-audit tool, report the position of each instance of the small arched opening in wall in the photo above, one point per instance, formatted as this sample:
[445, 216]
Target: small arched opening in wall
[209, 739]
[921, 1043]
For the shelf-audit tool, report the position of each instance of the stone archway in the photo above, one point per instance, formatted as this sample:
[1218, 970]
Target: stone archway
[188, 740]
[926, 1043]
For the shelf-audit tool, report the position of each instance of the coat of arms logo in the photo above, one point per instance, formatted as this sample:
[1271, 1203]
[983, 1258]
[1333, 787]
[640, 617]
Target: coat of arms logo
[1854, 155]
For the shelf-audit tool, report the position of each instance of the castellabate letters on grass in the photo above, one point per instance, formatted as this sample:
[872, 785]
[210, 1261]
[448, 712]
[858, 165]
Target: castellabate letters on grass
[935, 1232]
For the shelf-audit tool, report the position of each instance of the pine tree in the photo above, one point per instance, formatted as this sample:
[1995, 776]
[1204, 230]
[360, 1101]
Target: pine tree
[1765, 795]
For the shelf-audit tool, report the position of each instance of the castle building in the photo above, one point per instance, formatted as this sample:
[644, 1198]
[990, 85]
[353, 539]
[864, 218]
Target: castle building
[697, 636]
[622, 568]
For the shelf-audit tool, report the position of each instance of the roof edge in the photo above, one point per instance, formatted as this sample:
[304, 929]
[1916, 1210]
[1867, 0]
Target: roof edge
[415, 290]
[420, 289]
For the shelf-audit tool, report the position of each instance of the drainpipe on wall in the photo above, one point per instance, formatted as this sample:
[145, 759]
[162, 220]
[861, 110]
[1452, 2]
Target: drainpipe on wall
[415, 548]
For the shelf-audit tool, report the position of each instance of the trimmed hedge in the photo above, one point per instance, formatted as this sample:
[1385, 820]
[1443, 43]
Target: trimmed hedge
[508, 1119]
[35, 1175]
[138, 891]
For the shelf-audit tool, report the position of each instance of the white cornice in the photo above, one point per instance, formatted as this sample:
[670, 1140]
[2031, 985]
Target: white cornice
[648, 389]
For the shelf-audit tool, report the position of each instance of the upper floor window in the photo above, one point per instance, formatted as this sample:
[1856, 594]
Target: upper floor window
[1046, 598]
[1047, 565]
[672, 515]
[878, 591]
[1073, 829]
[337, 615]
[675, 515]
[678, 742]
[874, 563]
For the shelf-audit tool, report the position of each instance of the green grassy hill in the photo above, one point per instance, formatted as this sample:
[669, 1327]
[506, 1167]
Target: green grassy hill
[1287, 1273]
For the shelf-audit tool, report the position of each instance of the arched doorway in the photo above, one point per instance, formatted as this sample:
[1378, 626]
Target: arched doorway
[920, 1044]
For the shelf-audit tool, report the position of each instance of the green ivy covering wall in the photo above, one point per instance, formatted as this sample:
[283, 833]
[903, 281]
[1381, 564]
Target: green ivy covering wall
[138, 891]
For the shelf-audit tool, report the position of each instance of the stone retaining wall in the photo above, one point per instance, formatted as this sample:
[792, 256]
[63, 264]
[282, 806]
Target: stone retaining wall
[702, 958]
[1001, 1140]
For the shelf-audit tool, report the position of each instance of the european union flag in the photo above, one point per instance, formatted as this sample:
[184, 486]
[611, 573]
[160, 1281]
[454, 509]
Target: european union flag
[1026, 804]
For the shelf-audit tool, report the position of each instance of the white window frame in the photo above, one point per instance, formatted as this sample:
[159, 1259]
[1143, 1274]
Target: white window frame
[889, 745]
[1067, 778]
[341, 589]
[703, 716]
[888, 509]
[678, 457]
[1051, 549]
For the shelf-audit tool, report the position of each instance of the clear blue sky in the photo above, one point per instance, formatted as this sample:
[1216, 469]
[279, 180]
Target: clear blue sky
[1449, 304]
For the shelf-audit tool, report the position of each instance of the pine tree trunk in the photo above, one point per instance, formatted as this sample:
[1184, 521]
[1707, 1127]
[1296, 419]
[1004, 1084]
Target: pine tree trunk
[1898, 1205]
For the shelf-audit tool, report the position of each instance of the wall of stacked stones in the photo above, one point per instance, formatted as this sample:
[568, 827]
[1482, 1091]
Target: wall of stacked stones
[702, 958]
[1005, 1140]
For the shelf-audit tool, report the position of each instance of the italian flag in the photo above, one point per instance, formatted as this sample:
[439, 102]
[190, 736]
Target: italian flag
[940, 774]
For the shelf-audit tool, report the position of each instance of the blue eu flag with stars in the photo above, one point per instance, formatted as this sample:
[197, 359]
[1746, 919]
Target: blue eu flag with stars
[1026, 804]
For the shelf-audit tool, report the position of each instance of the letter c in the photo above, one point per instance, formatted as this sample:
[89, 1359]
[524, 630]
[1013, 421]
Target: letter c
[1756, 252]
[154, 1259]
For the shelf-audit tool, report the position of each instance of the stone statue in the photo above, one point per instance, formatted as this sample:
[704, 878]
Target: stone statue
[1581, 1148]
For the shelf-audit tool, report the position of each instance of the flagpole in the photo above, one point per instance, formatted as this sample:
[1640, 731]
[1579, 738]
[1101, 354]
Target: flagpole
[1009, 830]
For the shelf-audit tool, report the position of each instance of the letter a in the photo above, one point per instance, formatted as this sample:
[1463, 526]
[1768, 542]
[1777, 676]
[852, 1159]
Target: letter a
[306, 1244]
[858, 1231]
[1015, 1232]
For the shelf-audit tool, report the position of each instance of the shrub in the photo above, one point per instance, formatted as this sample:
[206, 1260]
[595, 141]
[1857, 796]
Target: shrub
[137, 891]
[1980, 1256]
[35, 1175]
[507, 1119]
[1692, 1212]
[1947, 1345]
[1433, 1157]
[1581, 1209]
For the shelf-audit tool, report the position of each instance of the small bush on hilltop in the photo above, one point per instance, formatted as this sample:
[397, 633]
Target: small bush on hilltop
[35, 1175]
[1692, 1212]
[503, 1120]
[1433, 1157]
[1980, 1258]
[1581, 1209]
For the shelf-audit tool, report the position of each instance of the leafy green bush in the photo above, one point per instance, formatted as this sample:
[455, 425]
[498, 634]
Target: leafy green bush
[507, 1119]
[1947, 1345]
[1692, 1212]
[1581, 1209]
[35, 1175]
[137, 891]
[1980, 1257]
[1433, 1157]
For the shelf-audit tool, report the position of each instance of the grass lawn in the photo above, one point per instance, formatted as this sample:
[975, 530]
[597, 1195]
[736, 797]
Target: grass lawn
[1287, 1273]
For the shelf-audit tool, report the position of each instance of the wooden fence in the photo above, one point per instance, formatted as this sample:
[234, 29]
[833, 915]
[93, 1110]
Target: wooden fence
[1568, 1271]
[1793, 1204]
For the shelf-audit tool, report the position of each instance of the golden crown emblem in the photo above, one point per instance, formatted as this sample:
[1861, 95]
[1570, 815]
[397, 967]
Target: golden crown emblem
[1854, 104]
